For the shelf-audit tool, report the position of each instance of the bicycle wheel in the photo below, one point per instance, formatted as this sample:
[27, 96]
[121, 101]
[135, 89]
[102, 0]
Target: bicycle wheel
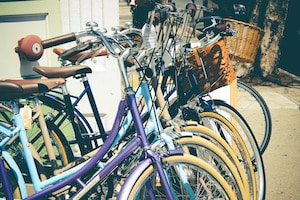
[55, 112]
[204, 180]
[245, 143]
[250, 100]
[225, 162]
[60, 145]
[237, 155]
[62, 151]
[237, 120]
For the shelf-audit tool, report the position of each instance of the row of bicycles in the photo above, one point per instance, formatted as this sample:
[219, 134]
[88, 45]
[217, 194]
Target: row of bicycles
[170, 139]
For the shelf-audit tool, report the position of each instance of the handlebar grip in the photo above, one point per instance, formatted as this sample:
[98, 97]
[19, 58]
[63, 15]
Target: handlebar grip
[58, 40]
[32, 47]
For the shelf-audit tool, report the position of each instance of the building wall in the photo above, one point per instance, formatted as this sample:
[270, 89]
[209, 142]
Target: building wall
[21, 18]
[105, 80]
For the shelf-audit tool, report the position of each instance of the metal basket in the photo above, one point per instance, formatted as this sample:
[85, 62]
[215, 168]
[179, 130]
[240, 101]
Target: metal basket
[244, 46]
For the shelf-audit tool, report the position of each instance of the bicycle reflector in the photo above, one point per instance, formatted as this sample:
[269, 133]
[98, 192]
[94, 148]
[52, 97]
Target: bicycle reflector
[30, 47]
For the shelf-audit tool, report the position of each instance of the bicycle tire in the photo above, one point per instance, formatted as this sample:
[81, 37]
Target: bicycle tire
[255, 102]
[130, 191]
[222, 161]
[61, 143]
[235, 118]
[239, 155]
[61, 147]
[249, 147]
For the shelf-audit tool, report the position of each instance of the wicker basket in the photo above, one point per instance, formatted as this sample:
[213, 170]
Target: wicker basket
[244, 46]
[215, 65]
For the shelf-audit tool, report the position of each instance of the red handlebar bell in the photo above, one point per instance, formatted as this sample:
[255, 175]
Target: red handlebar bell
[30, 47]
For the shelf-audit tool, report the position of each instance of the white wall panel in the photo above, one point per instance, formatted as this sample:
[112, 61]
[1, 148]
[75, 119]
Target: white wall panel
[12, 29]
[105, 79]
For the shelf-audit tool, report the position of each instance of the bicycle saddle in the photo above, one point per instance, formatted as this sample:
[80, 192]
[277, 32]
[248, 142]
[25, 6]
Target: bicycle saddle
[62, 72]
[12, 89]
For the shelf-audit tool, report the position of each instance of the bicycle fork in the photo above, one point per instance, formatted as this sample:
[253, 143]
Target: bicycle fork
[155, 157]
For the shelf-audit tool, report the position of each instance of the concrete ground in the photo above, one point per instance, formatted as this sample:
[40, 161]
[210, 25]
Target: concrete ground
[282, 156]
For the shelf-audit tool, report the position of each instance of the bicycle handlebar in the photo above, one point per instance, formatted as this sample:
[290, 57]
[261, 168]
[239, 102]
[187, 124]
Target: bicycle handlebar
[58, 40]
[107, 44]
[215, 28]
[32, 47]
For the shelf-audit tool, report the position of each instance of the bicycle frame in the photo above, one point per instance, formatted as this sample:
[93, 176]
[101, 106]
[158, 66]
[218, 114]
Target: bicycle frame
[71, 108]
[77, 171]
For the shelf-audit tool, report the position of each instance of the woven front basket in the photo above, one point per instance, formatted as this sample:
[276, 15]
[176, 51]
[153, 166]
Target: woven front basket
[213, 63]
[244, 46]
